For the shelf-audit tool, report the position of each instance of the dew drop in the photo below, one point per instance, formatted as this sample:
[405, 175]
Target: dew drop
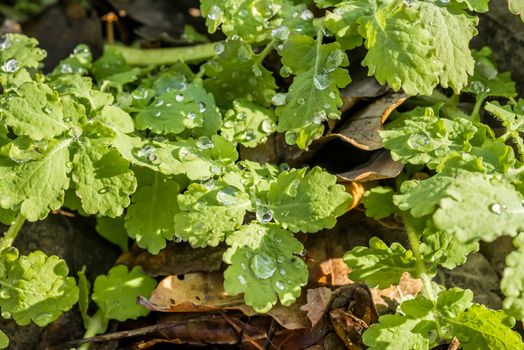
[243, 266]
[332, 95]
[279, 99]
[291, 138]
[10, 66]
[280, 285]
[306, 15]
[319, 117]
[201, 107]
[283, 271]
[432, 336]
[103, 190]
[286, 71]
[227, 195]
[242, 280]
[257, 71]
[263, 266]
[280, 33]
[169, 104]
[6, 315]
[264, 215]
[179, 97]
[321, 81]
[68, 119]
[205, 142]
[219, 48]
[157, 114]
[244, 54]
[334, 60]
[159, 103]
[241, 116]
[215, 169]
[281, 259]
[268, 126]
[191, 115]
[148, 152]
[249, 135]
[82, 50]
[478, 87]
[208, 183]
[419, 142]
[496, 208]
[301, 101]
[66, 68]
[214, 13]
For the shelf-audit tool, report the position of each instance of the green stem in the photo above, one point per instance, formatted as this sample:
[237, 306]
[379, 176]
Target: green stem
[12, 232]
[97, 325]
[475, 114]
[427, 289]
[145, 57]
[265, 52]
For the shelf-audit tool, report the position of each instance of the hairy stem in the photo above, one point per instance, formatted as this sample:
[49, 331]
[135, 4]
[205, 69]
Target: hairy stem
[147, 57]
[12, 232]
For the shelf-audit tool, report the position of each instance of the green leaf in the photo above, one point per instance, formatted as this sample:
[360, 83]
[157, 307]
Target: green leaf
[380, 265]
[452, 302]
[516, 7]
[112, 69]
[343, 21]
[512, 118]
[512, 284]
[478, 206]
[264, 266]
[487, 80]
[427, 139]
[441, 32]
[4, 340]
[150, 217]
[248, 124]
[249, 20]
[445, 249]
[209, 211]
[34, 110]
[177, 110]
[35, 186]
[237, 73]
[395, 332]
[482, 328]
[313, 96]
[103, 179]
[421, 197]
[476, 5]
[307, 201]
[379, 202]
[452, 31]
[113, 230]
[35, 287]
[116, 293]
[19, 51]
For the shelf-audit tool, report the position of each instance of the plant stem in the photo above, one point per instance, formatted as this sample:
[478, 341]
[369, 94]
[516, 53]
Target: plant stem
[12, 232]
[475, 114]
[427, 289]
[265, 52]
[145, 57]
[97, 325]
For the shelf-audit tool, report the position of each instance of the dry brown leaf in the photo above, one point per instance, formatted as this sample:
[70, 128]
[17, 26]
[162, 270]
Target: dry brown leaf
[361, 130]
[194, 292]
[380, 166]
[349, 328]
[175, 259]
[388, 299]
[357, 191]
[359, 89]
[318, 300]
[198, 292]
[337, 270]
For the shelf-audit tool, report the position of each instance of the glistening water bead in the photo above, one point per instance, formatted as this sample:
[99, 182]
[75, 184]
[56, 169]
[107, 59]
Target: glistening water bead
[263, 266]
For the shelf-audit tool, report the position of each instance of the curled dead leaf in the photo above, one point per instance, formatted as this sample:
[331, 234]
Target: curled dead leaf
[380, 166]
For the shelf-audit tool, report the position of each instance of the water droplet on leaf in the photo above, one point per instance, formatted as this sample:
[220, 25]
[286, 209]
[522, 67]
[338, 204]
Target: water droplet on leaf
[242, 280]
[496, 208]
[264, 215]
[280, 285]
[268, 126]
[321, 81]
[227, 195]
[279, 99]
[10, 66]
[263, 266]
[214, 13]
[204, 142]
[219, 48]
[419, 142]
[280, 33]
[306, 15]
